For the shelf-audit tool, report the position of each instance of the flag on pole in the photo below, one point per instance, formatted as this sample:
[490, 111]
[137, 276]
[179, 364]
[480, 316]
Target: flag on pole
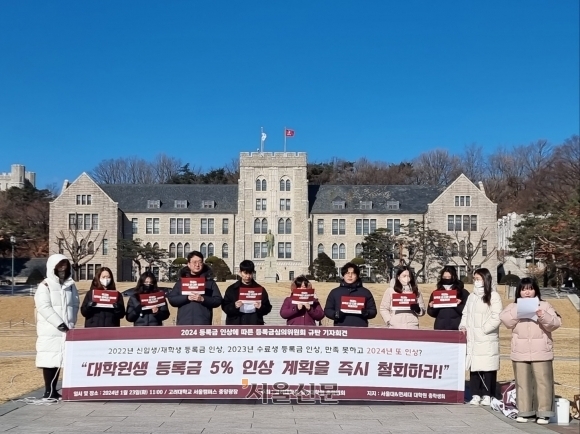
[289, 133]
[264, 137]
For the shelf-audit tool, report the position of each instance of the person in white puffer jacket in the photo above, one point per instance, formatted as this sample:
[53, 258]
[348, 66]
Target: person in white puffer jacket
[480, 320]
[57, 303]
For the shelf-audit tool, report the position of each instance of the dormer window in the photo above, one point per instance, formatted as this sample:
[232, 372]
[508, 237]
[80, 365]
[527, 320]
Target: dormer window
[338, 204]
[152, 204]
[207, 204]
[366, 204]
[393, 204]
[181, 204]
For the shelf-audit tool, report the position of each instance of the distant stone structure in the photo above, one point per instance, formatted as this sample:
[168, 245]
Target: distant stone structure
[16, 178]
[272, 194]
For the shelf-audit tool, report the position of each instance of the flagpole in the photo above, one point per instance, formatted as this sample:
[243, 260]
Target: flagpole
[284, 139]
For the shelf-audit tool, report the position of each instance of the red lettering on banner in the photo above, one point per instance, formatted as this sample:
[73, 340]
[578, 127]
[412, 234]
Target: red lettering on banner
[261, 367]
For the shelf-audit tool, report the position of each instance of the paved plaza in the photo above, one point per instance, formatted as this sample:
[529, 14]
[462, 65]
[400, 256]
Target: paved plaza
[221, 417]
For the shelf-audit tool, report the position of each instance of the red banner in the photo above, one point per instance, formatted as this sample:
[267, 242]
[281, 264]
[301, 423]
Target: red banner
[192, 286]
[350, 304]
[403, 301]
[250, 295]
[151, 300]
[445, 298]
[104, 298]
[302, 296]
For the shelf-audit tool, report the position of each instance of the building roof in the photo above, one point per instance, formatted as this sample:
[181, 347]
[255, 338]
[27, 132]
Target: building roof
[413, 199]
[134, 197]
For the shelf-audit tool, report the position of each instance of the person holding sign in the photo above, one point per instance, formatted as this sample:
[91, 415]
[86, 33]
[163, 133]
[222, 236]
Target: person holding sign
[302, 307]
[402, 303]
[532, 351]
[147, 306]
[196, 294]
[481, 322]
[246, 302]
[448, 300]
[103, 305]
[350, 304]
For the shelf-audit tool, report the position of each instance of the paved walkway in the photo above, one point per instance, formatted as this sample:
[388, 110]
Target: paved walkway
[225, 417]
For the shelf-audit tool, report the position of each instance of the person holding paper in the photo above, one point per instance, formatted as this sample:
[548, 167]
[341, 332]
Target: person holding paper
[532, 353]
[147, 306]
[103, 314]
[302, 307]
[350, 304]
[402, 303]
[481, 322]
[447, 314]
[246, 302]
[202, 293]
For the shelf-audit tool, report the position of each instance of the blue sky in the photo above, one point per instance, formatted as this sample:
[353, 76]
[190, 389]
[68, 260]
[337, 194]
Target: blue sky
[82, 81]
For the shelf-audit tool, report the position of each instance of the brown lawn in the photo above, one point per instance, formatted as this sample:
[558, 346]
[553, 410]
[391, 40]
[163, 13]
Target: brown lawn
[18, 375]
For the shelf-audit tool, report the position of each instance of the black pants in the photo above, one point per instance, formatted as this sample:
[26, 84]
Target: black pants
[482, 383]
[50, 379]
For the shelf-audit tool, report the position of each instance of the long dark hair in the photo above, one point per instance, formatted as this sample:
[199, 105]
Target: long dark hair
[67, 272]
[487, 280]
[141, 282]
[455, 282]
[96, 283]
[399, 287]
[525, 283]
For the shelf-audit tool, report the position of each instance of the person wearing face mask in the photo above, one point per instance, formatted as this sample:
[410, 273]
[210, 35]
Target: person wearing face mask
[404, 283]
[57, 302]
[350, 286]
[481, 322]
[103, 316]
[448, 318]
[155, 316]
[532, 354]
[195, 309]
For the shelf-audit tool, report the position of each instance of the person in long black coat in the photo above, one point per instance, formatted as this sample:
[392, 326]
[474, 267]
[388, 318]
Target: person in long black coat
[146, 284]
[448, 318]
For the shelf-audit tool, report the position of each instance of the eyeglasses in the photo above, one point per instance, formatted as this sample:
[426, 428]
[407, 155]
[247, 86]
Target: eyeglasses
[196, 262]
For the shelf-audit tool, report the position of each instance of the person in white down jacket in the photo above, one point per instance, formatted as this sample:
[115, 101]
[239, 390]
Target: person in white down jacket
[480, 320]
[57, 303]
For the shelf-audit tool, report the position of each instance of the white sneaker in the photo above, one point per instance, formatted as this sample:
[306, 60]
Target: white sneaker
[475, 400]
[485, 401]
[522, 419]
[543, 421]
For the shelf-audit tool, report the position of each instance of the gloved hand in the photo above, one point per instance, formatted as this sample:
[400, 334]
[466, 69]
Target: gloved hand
[416, 308]
[63, 328]
[338, 315]
[364, 313]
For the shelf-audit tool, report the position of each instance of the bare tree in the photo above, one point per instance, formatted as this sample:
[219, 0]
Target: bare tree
[466, 250]
[165, 168]
[473, 163]
[80, 247]
[437, 167]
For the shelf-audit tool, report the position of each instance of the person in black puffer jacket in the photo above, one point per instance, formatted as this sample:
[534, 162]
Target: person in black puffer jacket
[195, 309]
[147, 283]
[239, 313]
[103, 316]
[351, 285]
[448, 318]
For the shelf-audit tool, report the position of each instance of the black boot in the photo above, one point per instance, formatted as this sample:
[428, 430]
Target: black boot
[50, 379]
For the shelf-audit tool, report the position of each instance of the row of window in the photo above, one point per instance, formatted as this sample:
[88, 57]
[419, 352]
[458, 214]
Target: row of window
[363, 226]
[86, 248]
[284, 250]
[180, 226]
[84, 222]
[465, 223]
[262, 185]
[84, 199]
[462, 200]
[181, 250]
[262, 204]
[459, 249]
[180, 204]
[284, 226]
